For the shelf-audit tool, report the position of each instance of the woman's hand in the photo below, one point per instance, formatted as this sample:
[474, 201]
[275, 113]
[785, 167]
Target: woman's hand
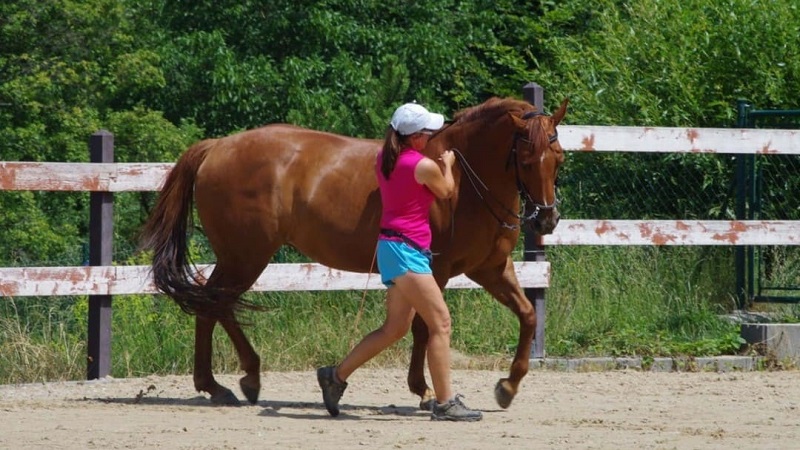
[448, 158]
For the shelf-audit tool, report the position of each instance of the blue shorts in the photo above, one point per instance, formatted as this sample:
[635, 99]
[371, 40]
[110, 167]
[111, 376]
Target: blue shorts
[396, 258]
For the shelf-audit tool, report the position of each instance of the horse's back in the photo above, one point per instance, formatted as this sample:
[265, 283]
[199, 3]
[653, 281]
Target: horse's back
[314, 190]
[286, 147]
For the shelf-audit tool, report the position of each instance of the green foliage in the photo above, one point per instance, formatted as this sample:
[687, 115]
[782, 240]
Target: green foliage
[150, 334]
[160, 74]
[142, 135]
[40, 342]
[481, 325]
[642, 301]
[672, 62]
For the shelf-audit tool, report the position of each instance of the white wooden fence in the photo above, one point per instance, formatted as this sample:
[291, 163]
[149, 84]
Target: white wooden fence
[127, 177]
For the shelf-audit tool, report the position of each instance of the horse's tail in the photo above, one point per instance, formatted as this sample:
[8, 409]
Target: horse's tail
[165, 233]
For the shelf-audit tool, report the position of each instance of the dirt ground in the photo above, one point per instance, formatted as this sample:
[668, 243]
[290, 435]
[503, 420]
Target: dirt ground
[593, 410]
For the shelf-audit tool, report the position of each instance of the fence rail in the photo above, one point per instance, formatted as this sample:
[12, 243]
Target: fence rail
[674, 232]
[94, 177]
[102, 280]
[680, 140]
[128, 177]
[121, 280]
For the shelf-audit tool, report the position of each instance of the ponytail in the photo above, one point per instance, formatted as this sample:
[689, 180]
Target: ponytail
[391, 148]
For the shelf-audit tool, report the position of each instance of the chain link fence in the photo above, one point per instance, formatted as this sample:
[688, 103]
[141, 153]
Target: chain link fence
[702, 186]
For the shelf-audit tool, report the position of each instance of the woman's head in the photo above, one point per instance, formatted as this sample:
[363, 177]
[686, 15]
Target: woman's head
[411, 126]
[413, 118]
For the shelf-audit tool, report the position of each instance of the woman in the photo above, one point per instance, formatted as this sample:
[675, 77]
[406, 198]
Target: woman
[408, 183]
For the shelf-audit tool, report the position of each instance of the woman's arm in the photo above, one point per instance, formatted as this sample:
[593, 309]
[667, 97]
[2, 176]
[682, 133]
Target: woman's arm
[439, 180]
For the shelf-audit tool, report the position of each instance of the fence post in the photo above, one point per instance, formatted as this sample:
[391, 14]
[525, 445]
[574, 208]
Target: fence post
[101, 241]
[534, 249]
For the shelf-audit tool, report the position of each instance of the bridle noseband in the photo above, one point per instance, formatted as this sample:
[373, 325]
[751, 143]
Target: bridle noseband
[522, 189]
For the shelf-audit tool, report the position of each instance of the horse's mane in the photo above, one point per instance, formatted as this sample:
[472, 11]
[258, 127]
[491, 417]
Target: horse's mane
[491, 108]
[496, 106]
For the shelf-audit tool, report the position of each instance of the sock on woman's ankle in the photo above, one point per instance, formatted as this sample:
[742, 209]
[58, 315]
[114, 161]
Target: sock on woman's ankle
[336, 378]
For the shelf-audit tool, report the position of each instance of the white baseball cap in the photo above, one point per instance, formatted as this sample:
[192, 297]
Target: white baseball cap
[412, 118]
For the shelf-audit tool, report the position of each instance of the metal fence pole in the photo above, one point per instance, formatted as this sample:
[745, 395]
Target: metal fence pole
[534, 249]
[101, 241]
[740, 252]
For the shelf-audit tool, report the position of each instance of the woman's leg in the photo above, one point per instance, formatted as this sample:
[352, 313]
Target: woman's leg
[423, 295]
[399, 315]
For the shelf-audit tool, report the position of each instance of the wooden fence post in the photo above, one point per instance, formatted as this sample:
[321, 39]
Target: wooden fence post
[101, 242]
[534, 248]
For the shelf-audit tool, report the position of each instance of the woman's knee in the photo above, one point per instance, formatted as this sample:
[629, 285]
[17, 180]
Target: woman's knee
[439, 323]
[396, 331]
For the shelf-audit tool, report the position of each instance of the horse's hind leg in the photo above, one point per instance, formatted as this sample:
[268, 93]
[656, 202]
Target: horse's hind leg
[416, 368]
[248, 360]
[203, 378]
[236, 276]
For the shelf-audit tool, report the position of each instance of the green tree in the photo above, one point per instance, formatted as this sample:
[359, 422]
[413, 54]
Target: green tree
[69, 69]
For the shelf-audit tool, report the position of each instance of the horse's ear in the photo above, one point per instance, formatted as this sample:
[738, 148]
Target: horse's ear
[562, 111]
[518, 122]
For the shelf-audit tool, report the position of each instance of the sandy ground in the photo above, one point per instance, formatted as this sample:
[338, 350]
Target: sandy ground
[597, 410]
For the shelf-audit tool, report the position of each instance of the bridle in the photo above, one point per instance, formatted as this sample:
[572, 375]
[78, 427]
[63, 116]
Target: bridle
[522, 189]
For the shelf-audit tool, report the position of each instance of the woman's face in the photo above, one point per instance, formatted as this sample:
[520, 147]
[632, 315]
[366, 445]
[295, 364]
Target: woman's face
[420, 139]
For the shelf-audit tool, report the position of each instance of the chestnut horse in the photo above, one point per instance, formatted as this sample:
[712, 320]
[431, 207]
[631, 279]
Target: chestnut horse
[260, 189]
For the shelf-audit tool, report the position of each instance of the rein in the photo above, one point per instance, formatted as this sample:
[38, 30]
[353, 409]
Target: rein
[522, 189]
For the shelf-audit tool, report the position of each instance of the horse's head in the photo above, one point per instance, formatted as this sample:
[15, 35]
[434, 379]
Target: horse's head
[537, 155]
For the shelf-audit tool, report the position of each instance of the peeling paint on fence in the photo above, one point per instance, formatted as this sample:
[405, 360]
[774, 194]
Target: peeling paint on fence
[692, 134]
[587, 143]
[679, 232]
[93, 177]
[647, 232]
[679, 140]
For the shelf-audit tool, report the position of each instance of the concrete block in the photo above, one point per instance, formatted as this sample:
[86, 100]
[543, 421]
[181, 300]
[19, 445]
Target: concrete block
[736, 363]
[705, 364]
[662, 365]
[596, 364]
[537, 364]
[778, 340]
[623, 363]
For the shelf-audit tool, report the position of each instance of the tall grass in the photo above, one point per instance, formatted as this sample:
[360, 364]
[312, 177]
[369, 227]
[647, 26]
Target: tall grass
[39, 341]
[643, 301]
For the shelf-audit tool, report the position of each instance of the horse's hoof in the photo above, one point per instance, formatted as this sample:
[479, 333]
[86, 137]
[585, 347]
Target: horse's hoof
[225, 398]
[427, 400]
[503, 393]
[250, 391]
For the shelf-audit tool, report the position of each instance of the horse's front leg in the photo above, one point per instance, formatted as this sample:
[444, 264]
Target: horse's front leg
[416, 370]
[501, 282]
[203, 377]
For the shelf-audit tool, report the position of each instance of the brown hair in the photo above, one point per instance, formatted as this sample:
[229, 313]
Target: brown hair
[391, 148]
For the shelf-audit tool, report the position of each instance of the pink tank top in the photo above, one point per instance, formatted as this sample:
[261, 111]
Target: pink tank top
[406, 203]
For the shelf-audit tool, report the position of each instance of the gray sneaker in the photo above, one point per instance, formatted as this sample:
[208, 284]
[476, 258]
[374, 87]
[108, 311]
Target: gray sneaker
[455, 410]
[332, 390]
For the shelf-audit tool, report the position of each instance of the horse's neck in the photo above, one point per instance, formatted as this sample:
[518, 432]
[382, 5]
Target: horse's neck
[488, 159]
